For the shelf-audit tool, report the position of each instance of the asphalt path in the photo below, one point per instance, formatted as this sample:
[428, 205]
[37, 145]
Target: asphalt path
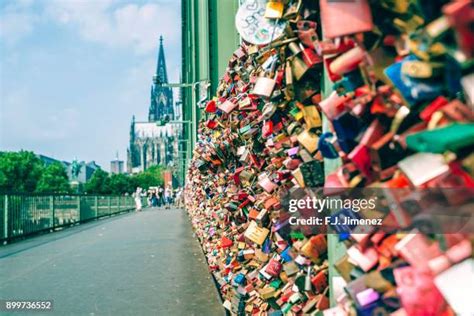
[145, 263]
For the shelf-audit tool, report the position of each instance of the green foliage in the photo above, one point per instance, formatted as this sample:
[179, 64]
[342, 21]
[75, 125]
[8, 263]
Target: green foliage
[99, 183]
[121, 183]
[151, 177]
[54, 180]
[20, 171]
[24, 172]
[102, 183]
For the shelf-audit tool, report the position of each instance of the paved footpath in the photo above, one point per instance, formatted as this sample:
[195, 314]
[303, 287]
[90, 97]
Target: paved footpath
[145, 263]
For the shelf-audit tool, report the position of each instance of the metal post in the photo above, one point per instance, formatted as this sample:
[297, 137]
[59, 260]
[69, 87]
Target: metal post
[51, 205]
[5, 218]
[79, 207]
[110, 205]
[193, 117]
[96, 206]
[118, 204]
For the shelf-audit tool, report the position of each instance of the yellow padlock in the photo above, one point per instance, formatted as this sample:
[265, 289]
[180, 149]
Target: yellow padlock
[274, 10]
[421, 69]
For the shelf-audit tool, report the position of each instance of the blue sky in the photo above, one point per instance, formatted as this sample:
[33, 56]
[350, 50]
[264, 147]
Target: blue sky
[73, 72]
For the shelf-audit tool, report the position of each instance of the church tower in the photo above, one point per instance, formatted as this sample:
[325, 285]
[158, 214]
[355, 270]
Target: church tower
[154, 144]
[161, 98]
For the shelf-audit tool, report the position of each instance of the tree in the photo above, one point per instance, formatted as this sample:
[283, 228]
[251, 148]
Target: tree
[151, 177]
[19, 171]
[54, 179]
[99, 183]
[121, 183]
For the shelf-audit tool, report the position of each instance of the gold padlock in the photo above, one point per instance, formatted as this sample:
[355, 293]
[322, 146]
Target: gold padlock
[274, 10]
[308, 140]
[312, 117]
[298, 67]
[289, 90]
[398, 6]
[421, 69]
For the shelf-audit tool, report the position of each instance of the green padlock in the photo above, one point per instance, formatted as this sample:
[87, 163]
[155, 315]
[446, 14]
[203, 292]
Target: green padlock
[450, 138]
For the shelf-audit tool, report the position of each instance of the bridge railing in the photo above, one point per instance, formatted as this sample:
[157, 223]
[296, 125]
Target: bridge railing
[26, 214]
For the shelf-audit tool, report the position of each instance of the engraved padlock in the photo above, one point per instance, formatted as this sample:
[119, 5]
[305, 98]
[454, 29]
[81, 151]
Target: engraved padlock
[264, 86]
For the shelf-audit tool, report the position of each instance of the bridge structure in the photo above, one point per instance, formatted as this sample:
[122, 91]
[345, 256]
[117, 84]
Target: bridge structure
[116, 261]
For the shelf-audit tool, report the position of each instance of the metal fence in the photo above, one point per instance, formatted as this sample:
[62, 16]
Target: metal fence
[22, 215]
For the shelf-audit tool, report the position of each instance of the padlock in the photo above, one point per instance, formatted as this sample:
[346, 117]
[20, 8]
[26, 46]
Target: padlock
[295, 49]
[273, 267]
[313, 173]
[228, 106]
[348, 61]
[274, 9]
[298, 67]
[418, 287]
[307, 33]
[423, 167]
[211, 106]
[365, 260]
[385, 153]
[346, 126]
[398, 6]
[459, 14]
[265, 183]
[256, 234]
[308, 140]
[264, 87]
[292, 11]
[333, 105]
[349, 83]
[467, 83]
[311, 116]
[459, 302]
[356, 15]
[421, 69]
[450, 138]
[326, 146]
[310, 57]
[289, 89]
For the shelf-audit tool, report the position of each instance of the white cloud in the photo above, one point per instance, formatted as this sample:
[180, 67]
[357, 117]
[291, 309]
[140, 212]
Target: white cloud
[120, 25]
[16, 21]
[110, 22]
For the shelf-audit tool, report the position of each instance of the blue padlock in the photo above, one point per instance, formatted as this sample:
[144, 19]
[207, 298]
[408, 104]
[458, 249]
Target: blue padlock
[239, 279]
[413, 91]
[285, 255]
[347, 126]
[326, 146]
[266, 247]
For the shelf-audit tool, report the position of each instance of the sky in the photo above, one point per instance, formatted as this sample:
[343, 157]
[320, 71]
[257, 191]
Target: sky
[73, 72]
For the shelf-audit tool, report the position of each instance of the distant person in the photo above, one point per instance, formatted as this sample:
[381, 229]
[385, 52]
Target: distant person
[138, 199]
[154, 198]
[178, 200]
[160, 196]
[167, 197]
[149, 198]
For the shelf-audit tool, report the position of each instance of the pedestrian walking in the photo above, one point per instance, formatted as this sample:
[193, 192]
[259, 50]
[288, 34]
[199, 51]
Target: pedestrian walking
[160, 196]
[167, 197]
[138, 199]
[154, 198]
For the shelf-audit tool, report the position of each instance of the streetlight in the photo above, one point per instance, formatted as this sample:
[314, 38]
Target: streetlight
[193, 123]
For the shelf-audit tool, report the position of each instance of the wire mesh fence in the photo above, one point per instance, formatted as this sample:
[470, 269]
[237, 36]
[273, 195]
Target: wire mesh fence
[23, 215]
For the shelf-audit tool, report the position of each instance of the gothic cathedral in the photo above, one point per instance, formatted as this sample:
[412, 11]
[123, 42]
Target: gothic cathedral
[150, 143]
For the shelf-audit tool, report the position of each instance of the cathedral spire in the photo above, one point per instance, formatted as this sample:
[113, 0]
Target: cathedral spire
[161, 65]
